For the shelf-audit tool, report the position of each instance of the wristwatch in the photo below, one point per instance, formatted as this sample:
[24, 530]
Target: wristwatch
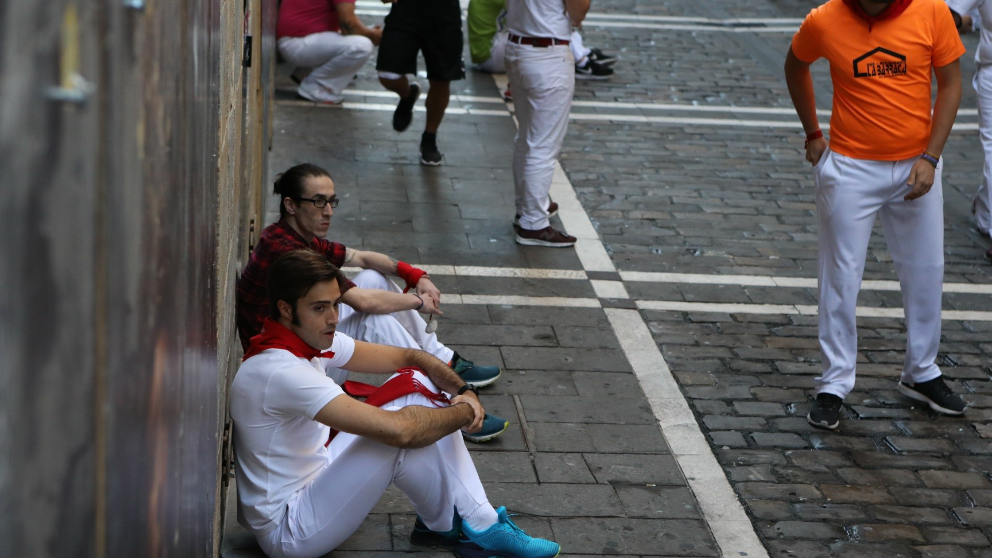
[468, 387]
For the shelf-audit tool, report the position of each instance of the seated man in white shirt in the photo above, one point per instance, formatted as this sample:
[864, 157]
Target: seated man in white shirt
[302, 497]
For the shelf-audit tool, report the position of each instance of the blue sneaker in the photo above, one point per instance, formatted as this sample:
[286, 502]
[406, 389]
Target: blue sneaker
[478, 376]
[492, 426]
[422, 536]
[503, 540]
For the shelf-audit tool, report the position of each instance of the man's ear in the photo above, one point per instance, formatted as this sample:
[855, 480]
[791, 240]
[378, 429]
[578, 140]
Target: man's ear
[287, 202]
[285, 310]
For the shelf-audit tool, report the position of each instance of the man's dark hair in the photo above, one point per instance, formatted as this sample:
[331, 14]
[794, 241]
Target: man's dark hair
[295, 273]
[289, 184]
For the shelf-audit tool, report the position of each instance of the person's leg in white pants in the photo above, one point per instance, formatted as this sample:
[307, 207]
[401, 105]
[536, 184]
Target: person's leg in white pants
[400, 329]
[579, 51]
[982, 83]
[914, 232]
[335, 59]
[438, 479]
[543, 81]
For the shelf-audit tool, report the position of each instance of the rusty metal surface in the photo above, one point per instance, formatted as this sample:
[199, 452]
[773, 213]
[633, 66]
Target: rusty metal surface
[123, 225]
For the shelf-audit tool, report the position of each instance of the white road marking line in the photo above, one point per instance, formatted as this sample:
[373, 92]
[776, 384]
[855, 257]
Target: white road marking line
[723, 512]
[516, 300]
[609, 289]
[580, 116]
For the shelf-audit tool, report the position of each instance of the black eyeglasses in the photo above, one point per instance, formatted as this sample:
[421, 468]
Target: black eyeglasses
[320, 201]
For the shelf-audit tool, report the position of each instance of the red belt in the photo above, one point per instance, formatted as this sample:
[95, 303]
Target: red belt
[537, 41]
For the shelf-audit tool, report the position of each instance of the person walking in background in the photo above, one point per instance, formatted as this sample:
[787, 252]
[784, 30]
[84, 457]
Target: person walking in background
[327, 43]
[542, 73]
[883, 159]
[434, 28]
[981, 206]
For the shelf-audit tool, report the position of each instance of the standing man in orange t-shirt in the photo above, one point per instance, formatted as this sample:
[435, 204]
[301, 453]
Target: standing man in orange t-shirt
[883, 159]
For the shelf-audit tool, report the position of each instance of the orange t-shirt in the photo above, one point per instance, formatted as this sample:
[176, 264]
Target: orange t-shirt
[881, 74]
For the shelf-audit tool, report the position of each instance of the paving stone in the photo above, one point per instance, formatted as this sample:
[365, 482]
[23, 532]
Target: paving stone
[856, 494]
[911, 514]
[829, 511]
[562, 468]
[556, 500]
[608, 536]
[505, 466]
[953, 479]
[778, 440]
[663, 502]
[774, 491]
[950, 535]
[603, 438]
[875, 532]
[578, 409]
[548, 358]
[981, 516]
[727, 439]
[803, 530]
[635, 468]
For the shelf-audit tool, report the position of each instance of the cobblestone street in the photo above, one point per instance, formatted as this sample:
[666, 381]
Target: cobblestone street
[657, 377]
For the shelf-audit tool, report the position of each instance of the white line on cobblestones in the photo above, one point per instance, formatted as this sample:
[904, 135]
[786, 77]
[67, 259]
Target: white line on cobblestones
[722, 511]
[791, 124]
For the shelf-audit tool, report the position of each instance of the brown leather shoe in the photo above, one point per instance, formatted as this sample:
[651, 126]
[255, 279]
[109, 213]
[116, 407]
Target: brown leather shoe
[548, 236]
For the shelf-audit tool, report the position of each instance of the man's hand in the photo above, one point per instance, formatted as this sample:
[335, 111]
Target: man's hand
[431, 296]
[472, 400]
[815, 149]
[375, 34]
[920, 179]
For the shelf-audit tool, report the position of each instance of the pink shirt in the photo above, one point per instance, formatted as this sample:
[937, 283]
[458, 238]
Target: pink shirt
[299, 18]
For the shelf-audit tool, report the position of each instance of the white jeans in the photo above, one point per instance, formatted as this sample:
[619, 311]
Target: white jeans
[496, 63]
[335, 59]
[399, 329]
[849, 193]
[437, 478]
[543, 81]
[982, 82]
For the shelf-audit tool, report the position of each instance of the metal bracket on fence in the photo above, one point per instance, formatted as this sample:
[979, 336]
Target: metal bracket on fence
[78, 91]
[135, 4]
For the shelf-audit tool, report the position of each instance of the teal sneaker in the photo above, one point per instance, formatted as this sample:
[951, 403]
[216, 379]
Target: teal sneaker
[503, 540]
[492, 426]
[478, 376]
[422, 536]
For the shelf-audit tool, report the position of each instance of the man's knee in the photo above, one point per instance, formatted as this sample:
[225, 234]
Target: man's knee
[372, 279]
[360, 46]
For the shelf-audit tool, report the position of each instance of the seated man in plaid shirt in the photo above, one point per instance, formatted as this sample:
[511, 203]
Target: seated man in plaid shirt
[376, 309]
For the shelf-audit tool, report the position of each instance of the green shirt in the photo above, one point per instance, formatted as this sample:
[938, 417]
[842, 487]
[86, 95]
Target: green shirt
[482, 16]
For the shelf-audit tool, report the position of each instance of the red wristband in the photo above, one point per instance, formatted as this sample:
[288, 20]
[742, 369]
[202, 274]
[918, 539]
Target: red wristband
[815, 134]
[409, 274]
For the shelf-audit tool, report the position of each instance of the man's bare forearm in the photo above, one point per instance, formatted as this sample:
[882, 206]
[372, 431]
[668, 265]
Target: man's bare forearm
[426, 425]
[945, 108]
[439, 372]
[800, 83]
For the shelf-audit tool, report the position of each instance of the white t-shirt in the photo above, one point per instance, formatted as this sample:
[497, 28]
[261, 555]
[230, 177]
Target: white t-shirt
[983, 54]
[538, 18]
[278, 445]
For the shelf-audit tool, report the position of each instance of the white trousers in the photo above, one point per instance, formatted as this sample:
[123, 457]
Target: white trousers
[543, 81]
[982, 82]
[849, 194]
[335, 59]
[437, 478]
[496, 64]
[399, 329]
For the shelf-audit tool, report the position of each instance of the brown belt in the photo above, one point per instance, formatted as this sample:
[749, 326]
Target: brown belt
[537, 41]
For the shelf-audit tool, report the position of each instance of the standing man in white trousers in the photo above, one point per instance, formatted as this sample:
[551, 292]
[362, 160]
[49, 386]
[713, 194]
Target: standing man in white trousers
[883, 159]
[981, 207]
[542, 73]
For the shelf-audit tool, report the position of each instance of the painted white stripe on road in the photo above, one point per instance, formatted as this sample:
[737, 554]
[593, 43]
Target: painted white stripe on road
[721, 509]
[514, 300]
[582, 116]
[609, 289]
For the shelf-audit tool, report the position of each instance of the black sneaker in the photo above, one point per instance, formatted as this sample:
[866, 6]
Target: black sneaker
[825, 412]
[422, 536]
[548, 236]
[403, 114]
[601, 57]
[593, 70]
[429, 154]
[936, 394]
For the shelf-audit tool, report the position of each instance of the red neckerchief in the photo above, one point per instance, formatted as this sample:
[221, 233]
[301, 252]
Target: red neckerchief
[277, 336]
[893, 10]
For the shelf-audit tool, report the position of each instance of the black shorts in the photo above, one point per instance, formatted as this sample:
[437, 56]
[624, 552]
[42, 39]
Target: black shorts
[433, 27]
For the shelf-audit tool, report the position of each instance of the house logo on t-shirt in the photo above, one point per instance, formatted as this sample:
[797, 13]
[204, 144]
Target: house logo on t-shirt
[880, 63]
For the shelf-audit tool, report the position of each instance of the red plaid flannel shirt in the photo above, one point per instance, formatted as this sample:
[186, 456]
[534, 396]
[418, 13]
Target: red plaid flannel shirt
[251, 302]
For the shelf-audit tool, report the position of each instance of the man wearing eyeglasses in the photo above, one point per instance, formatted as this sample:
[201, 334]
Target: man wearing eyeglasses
[376, 310]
